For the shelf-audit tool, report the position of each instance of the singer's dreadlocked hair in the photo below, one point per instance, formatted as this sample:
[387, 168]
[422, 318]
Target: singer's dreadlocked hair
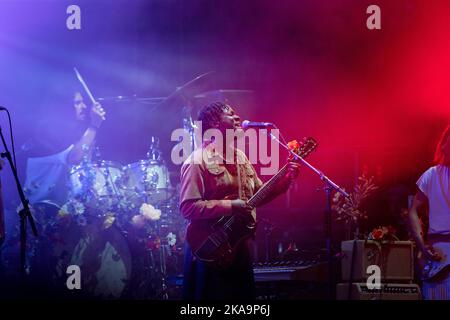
[210, 114]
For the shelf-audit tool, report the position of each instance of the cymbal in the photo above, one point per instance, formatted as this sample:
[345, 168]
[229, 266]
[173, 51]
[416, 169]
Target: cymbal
[223, 92]
[180, 96]
[187, 91]
[132, 98]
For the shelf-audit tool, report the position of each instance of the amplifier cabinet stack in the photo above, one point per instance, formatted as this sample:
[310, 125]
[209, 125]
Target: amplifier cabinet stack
[394, 260]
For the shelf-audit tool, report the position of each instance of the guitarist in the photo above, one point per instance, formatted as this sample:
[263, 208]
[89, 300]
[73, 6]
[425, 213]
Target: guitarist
[212, 189]
[434, 190]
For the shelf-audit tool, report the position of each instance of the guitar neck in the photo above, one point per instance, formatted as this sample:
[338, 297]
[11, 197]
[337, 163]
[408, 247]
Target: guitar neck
[267, 188]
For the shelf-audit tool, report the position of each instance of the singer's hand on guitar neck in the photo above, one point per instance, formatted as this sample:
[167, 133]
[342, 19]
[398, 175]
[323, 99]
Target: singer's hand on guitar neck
[98, 115]
[240, 207]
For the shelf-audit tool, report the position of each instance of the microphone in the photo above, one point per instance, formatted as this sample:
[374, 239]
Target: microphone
[252, 124]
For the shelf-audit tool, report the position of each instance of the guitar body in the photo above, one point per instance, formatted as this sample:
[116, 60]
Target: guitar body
[433, 269]
[216, 242]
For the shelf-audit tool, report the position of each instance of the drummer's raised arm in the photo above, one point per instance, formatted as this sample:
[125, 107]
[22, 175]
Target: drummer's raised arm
[87, 140]
[85, 144]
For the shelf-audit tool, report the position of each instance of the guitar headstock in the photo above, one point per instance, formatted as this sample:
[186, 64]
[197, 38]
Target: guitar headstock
[303, 148]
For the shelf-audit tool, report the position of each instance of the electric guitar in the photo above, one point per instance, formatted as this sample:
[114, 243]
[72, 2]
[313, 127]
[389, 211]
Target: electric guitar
[432, 269]
[215, 243]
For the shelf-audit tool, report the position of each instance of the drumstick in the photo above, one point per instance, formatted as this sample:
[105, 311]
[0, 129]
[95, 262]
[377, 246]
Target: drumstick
[84, 86]
[80, 78]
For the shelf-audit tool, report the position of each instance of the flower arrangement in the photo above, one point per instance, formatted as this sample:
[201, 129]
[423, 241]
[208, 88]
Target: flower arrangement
[149, 212]
[73, 206]
[73, 209]
[77, 211]
[138, 221]
[350, 209]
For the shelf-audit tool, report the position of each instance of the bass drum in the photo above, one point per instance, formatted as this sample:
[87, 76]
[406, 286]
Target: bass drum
[88, 241]
[103, 257]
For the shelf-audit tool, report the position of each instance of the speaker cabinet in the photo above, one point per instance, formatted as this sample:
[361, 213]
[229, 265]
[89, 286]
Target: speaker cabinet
[395, 260]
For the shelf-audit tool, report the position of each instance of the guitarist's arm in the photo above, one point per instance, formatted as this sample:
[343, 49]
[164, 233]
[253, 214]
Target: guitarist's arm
[420, 199]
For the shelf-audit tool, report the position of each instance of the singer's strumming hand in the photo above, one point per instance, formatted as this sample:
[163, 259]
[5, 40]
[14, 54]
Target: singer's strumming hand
[293, 169]
[240, 207]
[430, 253]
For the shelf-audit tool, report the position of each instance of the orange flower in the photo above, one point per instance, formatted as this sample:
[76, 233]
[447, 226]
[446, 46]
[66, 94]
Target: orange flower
[293, 145]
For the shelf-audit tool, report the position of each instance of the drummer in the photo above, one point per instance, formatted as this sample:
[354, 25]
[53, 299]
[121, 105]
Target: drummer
[46, 174]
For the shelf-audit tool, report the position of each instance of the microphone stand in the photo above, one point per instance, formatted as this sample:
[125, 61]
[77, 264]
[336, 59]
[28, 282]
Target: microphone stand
[24, 213]
[329, 186]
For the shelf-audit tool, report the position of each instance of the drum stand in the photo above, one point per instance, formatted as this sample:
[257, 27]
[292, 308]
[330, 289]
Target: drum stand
[87, 180]
[112, 189]
[189, 126]
[162, 267]
[164, 294]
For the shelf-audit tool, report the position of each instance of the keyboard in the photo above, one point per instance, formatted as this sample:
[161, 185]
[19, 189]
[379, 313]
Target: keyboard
[299, 270]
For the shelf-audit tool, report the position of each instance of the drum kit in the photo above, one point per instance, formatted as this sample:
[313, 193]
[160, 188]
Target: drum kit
[120, 225]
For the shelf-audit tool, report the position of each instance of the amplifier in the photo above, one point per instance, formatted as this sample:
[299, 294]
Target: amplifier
[395, 260]
[391, 291]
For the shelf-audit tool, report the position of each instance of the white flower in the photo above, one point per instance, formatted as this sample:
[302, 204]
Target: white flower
[138, 221]
[78, 207]
[65, 208]
[149, 212]
[171, 239]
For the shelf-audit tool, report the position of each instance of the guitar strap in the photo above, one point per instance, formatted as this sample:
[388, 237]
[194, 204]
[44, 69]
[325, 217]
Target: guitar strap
[239, 175]
[244, 192]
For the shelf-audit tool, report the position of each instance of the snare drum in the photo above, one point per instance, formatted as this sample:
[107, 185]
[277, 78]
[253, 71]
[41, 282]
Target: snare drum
[96, 184]
[148, 180]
